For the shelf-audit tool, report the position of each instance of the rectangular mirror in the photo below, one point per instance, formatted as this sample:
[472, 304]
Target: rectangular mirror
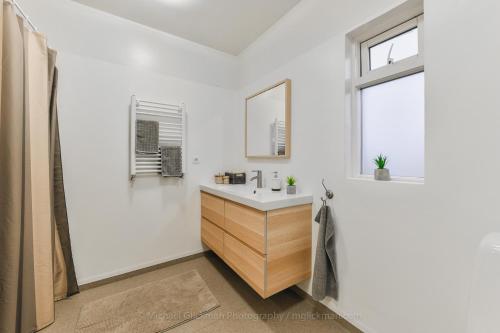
[268, 122]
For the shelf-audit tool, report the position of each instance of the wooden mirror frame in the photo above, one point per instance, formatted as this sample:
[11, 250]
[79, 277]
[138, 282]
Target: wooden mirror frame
[288, 120]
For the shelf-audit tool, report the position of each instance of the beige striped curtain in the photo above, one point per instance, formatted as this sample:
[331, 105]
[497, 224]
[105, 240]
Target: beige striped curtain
[33, 269]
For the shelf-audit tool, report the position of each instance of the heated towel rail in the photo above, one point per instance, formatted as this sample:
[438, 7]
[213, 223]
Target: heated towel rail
[172, 132]
[279, 137]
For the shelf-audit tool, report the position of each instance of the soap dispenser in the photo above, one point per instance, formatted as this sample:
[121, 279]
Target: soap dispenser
[276, 182]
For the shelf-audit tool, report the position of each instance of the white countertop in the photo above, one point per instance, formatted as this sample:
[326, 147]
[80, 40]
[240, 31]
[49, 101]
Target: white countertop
[264, 199]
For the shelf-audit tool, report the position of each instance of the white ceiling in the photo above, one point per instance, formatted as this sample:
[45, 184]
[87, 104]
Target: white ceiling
[226, 25]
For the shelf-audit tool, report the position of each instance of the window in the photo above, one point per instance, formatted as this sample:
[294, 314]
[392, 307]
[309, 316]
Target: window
[388, 100]
[395, 49]
[392, 120]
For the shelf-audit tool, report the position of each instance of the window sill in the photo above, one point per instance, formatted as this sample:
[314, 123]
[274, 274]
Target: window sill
[397, 180]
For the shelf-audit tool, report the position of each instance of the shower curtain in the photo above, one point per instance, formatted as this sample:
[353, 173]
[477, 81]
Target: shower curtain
[32, 256]
[65, 283]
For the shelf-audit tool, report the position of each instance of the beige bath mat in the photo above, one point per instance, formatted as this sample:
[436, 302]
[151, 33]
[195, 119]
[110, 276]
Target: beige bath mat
[154, 307]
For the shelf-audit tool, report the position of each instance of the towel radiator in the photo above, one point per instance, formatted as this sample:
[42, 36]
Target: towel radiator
[172, 132]
[279, 137]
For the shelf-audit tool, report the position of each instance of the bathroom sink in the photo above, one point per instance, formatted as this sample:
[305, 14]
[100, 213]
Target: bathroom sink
[244, 190]
[262, 199]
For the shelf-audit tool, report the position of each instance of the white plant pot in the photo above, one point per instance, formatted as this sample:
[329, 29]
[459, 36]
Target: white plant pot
[382, 174]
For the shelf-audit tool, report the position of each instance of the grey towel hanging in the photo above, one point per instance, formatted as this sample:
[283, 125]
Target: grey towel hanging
[171, 161]
[325, 282]
[147, 136]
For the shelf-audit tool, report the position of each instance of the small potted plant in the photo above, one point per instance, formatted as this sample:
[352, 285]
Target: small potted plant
[381, 173]
[291, 187]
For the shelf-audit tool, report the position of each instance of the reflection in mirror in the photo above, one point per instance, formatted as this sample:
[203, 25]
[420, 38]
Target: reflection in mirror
[267, 122]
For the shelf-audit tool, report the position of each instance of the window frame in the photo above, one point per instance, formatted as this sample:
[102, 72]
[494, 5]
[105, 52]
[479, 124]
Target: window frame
[412, 63]
[358, 44]
[404, 67]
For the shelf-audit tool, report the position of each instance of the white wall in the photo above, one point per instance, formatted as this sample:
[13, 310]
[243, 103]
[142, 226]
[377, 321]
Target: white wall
[73, 27]
[308, 24]
[117, 226]
[405, 251]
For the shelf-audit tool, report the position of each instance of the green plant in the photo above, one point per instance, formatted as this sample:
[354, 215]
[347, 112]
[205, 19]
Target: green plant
[380, 161]
[290, 180]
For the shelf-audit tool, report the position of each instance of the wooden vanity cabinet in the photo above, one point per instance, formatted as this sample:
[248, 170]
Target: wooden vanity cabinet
[270, 250]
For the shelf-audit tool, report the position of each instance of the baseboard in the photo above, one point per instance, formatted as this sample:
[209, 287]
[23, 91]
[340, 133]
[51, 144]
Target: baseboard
[128, 272]
[96, 281]
[351, 327]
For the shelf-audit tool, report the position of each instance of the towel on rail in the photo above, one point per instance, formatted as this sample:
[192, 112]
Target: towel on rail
[325, 282]
[281, 150]
[171, 161]
[147, 136]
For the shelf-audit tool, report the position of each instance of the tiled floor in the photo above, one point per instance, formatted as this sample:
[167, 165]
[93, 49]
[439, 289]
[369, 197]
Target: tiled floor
[241, 310]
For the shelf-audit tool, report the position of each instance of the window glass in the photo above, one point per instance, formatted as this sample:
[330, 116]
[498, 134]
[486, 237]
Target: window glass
[393, 125]
[403, 46]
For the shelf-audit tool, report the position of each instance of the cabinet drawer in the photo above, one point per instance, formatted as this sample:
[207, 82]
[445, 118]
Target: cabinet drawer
[246, 224]
[212, 208]
[249, 264]
[212, 236]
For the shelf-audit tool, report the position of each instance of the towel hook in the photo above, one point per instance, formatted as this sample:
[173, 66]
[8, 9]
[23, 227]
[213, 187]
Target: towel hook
[329, 194]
